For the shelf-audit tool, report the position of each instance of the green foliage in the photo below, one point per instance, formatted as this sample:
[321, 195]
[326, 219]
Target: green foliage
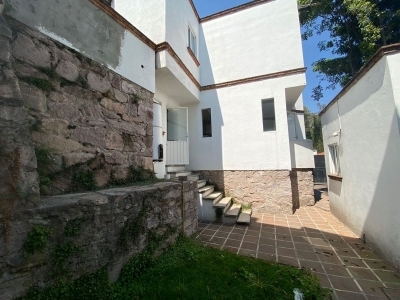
[314, 129]
[83, 181]
[40, 83]
[36, 239]
[189, 270]
[132, 229]
[357, 29]
[73, 227]
[61, 253]
[135, 98]
[137, 175]
[45, 161]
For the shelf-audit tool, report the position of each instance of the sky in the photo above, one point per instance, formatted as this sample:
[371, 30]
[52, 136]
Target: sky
[310, 50]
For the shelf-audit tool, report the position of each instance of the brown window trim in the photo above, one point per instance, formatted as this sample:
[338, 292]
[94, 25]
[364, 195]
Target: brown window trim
[193, 56]
[335, 177]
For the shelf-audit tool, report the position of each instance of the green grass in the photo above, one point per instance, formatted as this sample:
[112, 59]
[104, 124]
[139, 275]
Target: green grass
[189, 270]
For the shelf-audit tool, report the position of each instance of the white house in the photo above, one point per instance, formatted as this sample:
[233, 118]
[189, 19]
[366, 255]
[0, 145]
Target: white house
[227, 87]
[361, 128]
[228, 90]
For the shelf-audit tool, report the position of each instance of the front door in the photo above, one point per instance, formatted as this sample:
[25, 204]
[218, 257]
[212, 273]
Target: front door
[177, 136]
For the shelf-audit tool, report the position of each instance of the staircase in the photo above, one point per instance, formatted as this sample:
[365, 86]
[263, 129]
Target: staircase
[212, 205]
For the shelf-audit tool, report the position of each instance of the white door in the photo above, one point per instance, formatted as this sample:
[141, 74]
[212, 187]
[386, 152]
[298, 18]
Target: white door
[177, 136]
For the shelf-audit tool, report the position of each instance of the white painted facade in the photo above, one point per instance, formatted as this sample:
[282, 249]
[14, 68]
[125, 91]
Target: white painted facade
[227, 52]
[364, 123]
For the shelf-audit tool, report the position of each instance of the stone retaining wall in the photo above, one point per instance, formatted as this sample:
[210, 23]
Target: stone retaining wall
[83, 120]
[106, 228]
[266, 191]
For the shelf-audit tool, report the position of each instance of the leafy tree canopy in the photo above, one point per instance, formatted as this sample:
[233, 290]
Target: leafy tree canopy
[357, 28]
[314, 129]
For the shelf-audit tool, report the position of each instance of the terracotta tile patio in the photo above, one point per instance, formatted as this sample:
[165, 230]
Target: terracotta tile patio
[314, 239]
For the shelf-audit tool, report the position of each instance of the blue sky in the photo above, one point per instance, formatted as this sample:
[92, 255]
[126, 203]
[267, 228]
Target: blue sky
[310, 50]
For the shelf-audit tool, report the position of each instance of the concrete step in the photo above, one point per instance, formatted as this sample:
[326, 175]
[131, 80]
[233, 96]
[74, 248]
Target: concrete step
[206, 190]
[223, 203]
[193, 177]
[201, 183]
[175, 168]
[215, 197]
[232, 214]
[179, 174]
[244, 217]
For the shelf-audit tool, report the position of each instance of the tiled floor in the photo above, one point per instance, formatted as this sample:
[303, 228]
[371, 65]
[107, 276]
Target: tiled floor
[314, 239]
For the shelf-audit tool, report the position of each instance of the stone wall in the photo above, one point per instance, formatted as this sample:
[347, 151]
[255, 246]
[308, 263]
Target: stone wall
[105, 228]
[302, 182]
[85, 121]
[266, 191]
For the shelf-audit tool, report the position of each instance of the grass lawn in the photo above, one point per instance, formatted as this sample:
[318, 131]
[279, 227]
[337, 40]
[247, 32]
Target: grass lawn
[189, 270]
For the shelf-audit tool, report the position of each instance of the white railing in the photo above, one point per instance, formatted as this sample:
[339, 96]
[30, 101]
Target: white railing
[177, 153]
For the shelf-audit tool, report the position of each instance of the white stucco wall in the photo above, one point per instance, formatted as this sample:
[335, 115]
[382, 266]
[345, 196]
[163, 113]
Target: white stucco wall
[238, 141]
[367, 200]
[85, 28]
[180, 15]
[146, 15]
[260, 40]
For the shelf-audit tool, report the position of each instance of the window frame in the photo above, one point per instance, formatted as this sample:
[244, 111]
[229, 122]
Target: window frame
[264, 118]
[202, 122]
[192, 47]
[334, 159]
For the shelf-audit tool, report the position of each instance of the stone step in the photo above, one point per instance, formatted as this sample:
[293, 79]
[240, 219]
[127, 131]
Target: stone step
[223, 203]
[232, 214]
[244, 217]
[201, 183]
[193, 177]
[179, 174]
[206, 190]
[175, 168]
[215, 197]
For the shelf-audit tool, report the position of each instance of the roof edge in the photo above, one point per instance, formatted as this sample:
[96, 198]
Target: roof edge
[383, 51]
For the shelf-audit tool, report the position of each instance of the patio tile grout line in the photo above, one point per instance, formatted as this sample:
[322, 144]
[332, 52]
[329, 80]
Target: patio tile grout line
[214, 233]
[341, 261]
[323, 268]
[259, 235]
[295, 250]
[368, 267]
[222, 247]
[240, 246]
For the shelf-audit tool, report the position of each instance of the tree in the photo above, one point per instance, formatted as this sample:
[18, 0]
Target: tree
[313, 129]
[357, 29]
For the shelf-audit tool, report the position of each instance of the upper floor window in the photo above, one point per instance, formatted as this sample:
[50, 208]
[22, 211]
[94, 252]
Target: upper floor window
[207, 128]
[268, 114]
[192, 41]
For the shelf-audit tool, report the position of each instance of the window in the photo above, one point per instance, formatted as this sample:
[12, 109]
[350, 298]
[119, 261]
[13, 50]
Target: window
[206, 115]
[192, 43]
[334, 159]
[268, 114]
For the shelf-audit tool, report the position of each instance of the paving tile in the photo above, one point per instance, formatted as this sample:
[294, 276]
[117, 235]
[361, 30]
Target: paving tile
[312, 266]
[371, 287]
[247, 252]
[376, 297]
[249, 238]
[362, 273]
[288, 261]
[286, 252]
[216, 246]
[388, 276]
[344, 283]
[249, 246]
[231, 249]
[353, 262]
[252, 233]
[346, 252]
[225, 229]
[266, 256]
[208, 232]
[235, 236]
[213, 227]
[204, 238]
[338, 270]
[221, 234]
[308, 255]
[267, 235]
[285, 244]
[233, 243]
[392, 293]
[237, 230]
[267, 230]
[267, 241]
[267, 249]
[377, 264]
[342, 295]
[304, 247]
[217, 240]
[284, 237]
[367, 254]
[323, 279]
